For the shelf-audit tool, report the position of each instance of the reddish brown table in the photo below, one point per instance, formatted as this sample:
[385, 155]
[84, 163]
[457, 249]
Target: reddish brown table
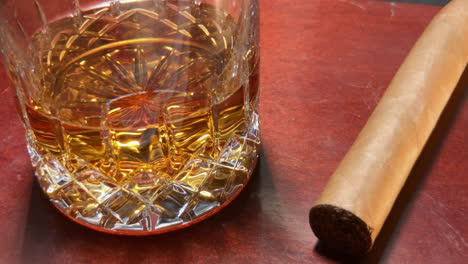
[325, 64]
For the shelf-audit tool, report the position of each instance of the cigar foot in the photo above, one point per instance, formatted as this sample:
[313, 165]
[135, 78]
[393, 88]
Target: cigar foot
[340, 230]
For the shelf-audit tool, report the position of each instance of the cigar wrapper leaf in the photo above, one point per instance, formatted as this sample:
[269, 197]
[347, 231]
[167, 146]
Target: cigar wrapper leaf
[353, 206]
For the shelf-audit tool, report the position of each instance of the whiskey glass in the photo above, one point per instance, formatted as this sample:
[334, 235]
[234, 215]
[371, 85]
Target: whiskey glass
[140, 116]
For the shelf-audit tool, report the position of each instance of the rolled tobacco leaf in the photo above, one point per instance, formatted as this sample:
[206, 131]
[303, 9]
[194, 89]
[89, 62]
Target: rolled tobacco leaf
[357, 199]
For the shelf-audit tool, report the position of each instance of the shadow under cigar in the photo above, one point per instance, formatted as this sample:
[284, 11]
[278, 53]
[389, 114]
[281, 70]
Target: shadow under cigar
[416, 179]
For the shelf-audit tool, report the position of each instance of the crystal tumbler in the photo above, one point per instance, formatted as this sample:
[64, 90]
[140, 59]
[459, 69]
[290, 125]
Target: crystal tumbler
[140, 116]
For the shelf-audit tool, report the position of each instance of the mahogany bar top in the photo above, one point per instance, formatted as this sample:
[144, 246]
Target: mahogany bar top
[324, 66]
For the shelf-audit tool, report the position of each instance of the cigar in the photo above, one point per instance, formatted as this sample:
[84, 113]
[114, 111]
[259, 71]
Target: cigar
[351, 210]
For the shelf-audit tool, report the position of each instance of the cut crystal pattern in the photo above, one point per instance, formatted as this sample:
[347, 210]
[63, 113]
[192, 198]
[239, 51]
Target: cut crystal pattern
[125, 206]
[174, 200]
[97, 185]
[52, 176]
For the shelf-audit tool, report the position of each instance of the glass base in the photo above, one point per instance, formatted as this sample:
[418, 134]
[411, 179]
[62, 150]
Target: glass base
[146, 203]
[155, 231]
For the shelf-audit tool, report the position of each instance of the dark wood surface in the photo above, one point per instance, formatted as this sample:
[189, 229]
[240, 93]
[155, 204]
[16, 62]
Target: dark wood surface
[325, 64]
[422, 2]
